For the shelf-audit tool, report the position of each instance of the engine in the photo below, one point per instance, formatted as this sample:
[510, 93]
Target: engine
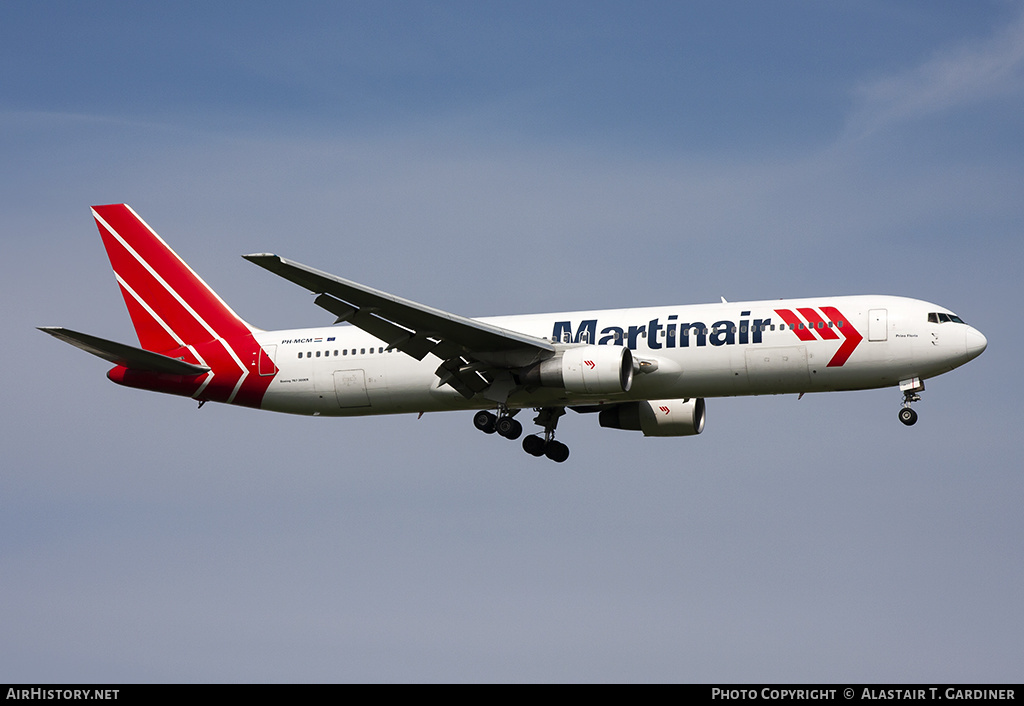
[657, 417]
[585, 369]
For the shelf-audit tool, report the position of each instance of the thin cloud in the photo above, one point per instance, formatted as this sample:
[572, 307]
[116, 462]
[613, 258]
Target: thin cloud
[965, 75]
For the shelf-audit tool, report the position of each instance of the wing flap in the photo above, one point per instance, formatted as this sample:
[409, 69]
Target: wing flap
[124, 355]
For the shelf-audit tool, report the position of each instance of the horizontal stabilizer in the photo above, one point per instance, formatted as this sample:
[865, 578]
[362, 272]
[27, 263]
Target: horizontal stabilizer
[125, 355]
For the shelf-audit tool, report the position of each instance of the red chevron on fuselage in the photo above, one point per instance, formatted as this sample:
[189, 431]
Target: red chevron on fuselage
[824, 327]
[853, 337]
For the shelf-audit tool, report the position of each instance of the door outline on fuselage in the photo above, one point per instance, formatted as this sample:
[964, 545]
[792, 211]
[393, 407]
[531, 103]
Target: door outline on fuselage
[878, 325]
[350, 388]
[267, 364]
[778, 369]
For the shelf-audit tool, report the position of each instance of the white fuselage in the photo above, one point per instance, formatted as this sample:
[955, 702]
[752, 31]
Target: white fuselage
[709, 350]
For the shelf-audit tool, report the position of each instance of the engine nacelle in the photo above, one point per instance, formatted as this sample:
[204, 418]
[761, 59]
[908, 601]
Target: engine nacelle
[585, 369]
[657, 417]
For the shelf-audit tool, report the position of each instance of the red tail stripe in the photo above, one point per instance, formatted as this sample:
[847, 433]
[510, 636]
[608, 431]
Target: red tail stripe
[156, 296]
[152, 336]
[174, 310]
[173, 271]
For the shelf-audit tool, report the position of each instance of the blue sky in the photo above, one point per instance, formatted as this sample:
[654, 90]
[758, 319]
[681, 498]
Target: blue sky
[495, 158]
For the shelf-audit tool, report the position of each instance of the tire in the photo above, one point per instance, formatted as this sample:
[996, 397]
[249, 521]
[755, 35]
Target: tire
[908, 416]
[484, 421]
[509, 428]
[533, 445]
[557, 451]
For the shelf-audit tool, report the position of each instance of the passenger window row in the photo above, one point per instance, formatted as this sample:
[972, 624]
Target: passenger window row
[346, 351]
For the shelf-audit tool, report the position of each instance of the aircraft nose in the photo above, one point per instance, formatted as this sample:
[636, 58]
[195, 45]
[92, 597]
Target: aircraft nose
[976, 343]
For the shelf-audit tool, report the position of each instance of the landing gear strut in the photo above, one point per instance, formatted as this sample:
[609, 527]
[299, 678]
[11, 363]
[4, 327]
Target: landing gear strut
[910, 389]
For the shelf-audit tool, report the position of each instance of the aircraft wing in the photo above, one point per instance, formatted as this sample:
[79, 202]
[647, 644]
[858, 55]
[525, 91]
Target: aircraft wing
[122, 354]
[471, 350]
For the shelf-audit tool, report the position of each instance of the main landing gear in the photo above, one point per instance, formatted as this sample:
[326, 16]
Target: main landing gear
[505, 425]
[534, 444]
[910, 389]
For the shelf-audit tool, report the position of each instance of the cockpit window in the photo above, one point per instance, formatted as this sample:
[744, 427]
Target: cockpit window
[940, 318]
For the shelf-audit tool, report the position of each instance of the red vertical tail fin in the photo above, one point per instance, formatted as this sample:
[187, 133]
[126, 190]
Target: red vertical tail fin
[175, 313]
[170, 305]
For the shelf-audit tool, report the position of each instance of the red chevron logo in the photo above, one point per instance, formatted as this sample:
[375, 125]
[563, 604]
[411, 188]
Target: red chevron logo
[590, 364]
[664, 409]
[813, 323]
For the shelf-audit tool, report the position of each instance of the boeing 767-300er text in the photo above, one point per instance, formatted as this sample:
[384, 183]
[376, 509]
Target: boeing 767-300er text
[646, 369]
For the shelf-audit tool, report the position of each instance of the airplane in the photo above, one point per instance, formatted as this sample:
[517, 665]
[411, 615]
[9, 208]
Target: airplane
[643, 369]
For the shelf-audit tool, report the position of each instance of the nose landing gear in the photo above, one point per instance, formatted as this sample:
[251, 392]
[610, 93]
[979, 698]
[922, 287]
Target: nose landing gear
[910, 388]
